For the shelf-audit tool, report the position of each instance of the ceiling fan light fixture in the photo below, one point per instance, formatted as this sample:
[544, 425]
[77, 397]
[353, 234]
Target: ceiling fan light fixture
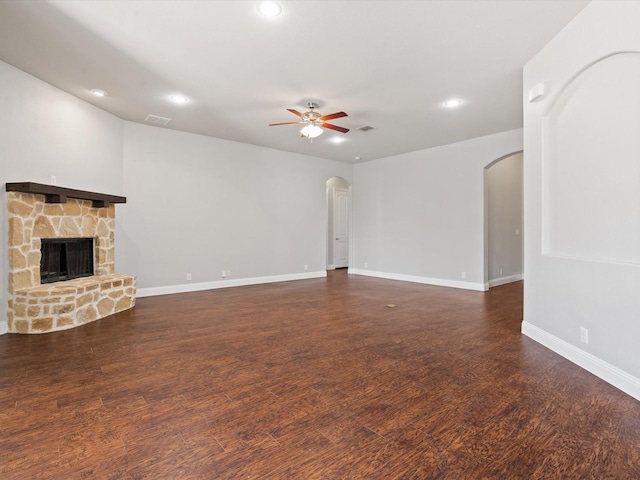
[311, 131]
[269, 9]
[313, 122]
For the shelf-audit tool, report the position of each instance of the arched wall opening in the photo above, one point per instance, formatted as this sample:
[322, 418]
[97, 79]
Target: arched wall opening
[503, 220]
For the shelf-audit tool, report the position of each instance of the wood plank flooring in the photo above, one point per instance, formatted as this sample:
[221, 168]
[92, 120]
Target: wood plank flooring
[314, 379]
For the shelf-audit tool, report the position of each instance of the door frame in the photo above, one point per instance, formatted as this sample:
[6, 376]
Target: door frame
[329, 223]
[335, 220]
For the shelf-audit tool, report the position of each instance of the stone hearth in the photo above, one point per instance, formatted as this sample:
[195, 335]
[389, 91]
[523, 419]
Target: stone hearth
[39, 308]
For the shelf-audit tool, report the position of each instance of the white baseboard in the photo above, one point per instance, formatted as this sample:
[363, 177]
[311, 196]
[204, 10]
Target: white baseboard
[426, 280]
[197, 287]
[504, 280]
[331, 267]
[4, 328]
[601, 369]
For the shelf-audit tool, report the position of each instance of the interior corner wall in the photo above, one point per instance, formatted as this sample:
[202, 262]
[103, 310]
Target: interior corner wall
[4, 238]
[420, 216]
[48, 132]
[199, 205]
[581, 194]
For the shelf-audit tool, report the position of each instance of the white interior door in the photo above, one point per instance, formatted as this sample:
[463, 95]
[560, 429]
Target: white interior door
[341, 228]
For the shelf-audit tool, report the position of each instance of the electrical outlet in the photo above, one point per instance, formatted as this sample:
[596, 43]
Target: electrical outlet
[306, 267]
[584, 335]
[464, 275]
[366, 265]
[53, 180]
[228, 273]
[500, 272]
[517, 232]
[224, 274]
[188, 276]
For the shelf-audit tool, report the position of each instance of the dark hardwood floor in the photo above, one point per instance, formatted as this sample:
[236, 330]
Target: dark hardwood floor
[314, 379]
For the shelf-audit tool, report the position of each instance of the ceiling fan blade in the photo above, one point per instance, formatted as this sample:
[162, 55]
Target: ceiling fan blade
[285, 123]
[333, 115]
[335, 127]
[295, 112]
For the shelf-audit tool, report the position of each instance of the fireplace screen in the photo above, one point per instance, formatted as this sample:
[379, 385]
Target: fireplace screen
[65, 258]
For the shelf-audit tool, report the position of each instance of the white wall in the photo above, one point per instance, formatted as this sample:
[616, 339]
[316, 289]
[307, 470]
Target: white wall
[48, 132]
[420, 216]
[582, 193]
[503, 194]
[201, 205]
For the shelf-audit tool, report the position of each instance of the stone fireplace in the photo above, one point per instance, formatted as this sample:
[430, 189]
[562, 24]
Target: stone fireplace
[38, 211]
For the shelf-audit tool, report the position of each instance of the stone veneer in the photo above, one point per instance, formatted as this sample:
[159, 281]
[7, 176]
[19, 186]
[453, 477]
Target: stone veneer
[36, 308]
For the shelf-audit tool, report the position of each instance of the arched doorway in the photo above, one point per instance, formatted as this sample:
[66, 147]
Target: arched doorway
[338, 223]
[503, 198]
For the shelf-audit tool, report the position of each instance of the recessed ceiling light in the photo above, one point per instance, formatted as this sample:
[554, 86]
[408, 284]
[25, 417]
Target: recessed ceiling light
[357, 158]
[178, 99]
[98, 92]
[453, 103]
[269, 9]
[337, 140]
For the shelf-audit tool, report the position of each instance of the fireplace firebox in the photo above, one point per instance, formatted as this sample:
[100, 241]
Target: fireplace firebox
[65, 259]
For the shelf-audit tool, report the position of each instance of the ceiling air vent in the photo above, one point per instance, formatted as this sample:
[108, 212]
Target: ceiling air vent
[366, 128]
[156, 120]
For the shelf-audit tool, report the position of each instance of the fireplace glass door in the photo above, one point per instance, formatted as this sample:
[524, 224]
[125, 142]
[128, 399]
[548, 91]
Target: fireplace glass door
[65, 258]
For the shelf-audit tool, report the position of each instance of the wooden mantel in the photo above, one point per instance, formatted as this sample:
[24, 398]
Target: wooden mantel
[55, 194]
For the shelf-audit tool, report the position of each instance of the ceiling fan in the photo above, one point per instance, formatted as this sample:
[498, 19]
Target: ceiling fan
[314, 122]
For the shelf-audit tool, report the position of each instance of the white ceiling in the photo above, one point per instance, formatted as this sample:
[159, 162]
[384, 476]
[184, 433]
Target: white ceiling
[388, 64]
